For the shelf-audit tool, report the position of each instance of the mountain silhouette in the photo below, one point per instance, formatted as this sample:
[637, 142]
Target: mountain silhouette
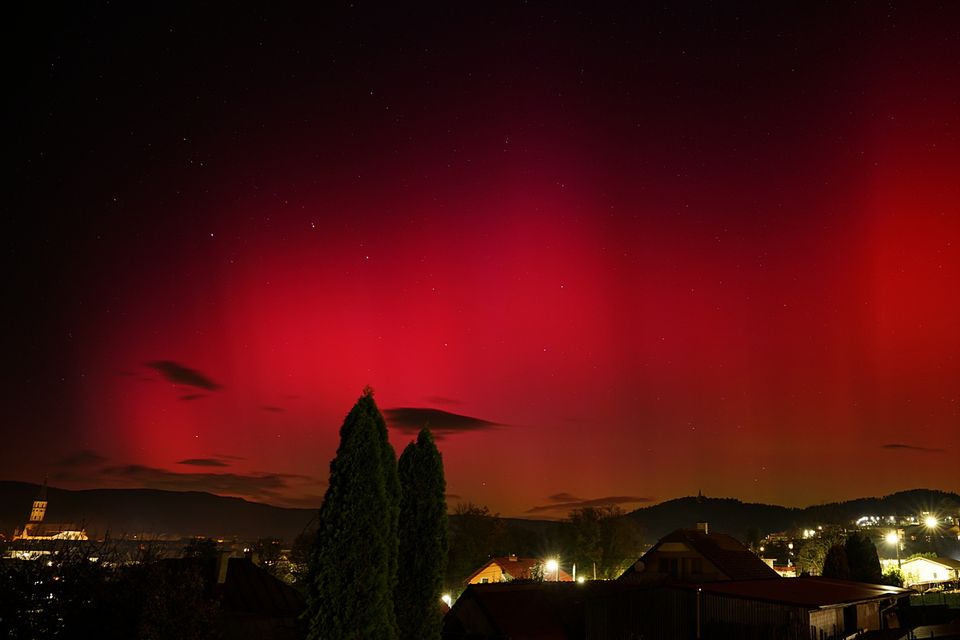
[128, 512]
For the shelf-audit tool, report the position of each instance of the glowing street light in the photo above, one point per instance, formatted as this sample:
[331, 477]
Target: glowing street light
[894, 538]
[553, 566]
[447, 599]
[931, 522]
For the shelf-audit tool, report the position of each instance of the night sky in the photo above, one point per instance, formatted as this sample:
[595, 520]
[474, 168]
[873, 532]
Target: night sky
[610, 256]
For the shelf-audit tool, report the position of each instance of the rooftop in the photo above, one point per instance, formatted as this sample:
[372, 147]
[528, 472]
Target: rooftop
[812, 592]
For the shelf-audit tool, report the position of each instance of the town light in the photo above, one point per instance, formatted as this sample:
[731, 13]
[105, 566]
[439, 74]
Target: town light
[894, 538]
[931, 522]
[447, 599]
[553, 566]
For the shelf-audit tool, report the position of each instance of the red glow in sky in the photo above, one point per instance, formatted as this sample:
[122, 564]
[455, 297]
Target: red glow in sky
[650, 254]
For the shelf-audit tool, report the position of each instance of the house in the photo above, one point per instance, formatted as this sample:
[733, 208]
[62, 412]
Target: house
[808, 607]
[251, 603]
[782, 608]
[697, 555]
[926, 572]
[508, 568]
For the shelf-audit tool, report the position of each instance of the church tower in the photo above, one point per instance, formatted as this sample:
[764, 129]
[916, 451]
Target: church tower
[39, 505]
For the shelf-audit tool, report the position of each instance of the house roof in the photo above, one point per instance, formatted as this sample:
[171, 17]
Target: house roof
[516, 568]
[247, 588]
[535, 611]
[812, 592]
[950, 563]
[725, 552]
[250, 588]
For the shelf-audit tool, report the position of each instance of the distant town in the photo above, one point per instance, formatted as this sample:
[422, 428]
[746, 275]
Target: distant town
[578, 578]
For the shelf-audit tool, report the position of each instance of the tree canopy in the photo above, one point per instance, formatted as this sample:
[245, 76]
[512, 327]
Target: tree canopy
[835, 564]
[353, 565]
[422, 538]
[603, 540]
[863, 559]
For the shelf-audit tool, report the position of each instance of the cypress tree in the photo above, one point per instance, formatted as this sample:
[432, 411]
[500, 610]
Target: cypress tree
[353, 563]
[835, 564]
[423, 540]
[863, 559]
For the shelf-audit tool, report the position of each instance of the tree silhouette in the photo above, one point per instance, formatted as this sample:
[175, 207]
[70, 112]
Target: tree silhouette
[353, 564]
[475, 535]
[863, 559]
[835, 564]
[422, 538]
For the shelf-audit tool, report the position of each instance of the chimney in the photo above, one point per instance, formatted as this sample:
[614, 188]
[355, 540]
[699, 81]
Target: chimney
[703, 526]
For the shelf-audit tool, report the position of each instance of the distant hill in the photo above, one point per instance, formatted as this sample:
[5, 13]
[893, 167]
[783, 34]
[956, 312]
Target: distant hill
[735, 517]
[138, 511]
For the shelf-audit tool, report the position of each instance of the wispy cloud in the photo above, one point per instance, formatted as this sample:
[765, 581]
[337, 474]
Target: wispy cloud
[180, 374]
[227, 456]
[229, 483]
[282, 489]
[204, 462]
[910, 447]
[440, 422]
[564, 502]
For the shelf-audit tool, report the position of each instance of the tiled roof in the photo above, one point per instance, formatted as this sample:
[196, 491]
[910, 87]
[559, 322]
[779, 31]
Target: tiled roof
[946, 562]
[534, 611]
[726, 553]
[517, 568]
[252, 589]
[813, 592]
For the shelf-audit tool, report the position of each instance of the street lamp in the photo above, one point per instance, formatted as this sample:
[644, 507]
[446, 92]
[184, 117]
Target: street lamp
[931, 522]
[894, 538]
[553, 566]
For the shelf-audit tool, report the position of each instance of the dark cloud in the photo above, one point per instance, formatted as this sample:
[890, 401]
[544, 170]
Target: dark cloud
[452, 496]
[193, 396]
[563, 497]
[280, 489]
[254, 486]
[204, 462]
[440, 422]
[607, 501]
[179, 374]
[85, 458]
[910, 447]
[273, 409]
[443, 400]
[227, 456]
[308, 501]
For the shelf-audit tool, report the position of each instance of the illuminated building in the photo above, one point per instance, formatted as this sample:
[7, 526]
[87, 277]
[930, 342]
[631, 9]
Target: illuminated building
[37, 529]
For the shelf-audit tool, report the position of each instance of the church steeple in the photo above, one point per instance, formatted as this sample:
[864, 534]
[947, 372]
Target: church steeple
[40, 505]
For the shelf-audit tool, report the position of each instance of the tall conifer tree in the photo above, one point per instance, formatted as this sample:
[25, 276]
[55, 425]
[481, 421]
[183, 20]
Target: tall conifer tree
[354, 560]
[423, 540]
